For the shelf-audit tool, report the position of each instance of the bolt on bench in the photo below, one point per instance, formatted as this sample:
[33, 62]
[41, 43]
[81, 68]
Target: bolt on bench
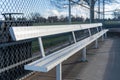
[46, 63]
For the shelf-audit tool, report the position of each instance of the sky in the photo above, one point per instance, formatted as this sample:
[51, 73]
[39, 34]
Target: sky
[45, 8]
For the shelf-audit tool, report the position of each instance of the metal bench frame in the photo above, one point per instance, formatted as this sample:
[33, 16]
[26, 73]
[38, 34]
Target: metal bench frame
[46, 63]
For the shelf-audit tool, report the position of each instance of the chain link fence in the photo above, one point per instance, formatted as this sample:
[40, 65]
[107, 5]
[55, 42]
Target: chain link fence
[14, 55]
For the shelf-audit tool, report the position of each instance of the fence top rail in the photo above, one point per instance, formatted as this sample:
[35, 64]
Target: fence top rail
[28, 32]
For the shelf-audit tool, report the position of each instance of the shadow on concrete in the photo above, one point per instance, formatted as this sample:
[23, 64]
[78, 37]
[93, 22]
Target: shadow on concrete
[112, 71]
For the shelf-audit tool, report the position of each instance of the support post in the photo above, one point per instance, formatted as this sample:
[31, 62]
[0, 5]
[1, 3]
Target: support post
[70, 39]
[59, 72]
[97, 29]
[96, 43]
[103, 37]
[89, 32]
[73, 33]
[84, 55]
[41, 46]
[106, 35]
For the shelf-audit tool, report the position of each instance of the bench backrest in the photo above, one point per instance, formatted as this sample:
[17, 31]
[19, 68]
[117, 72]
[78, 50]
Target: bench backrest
[28, 32]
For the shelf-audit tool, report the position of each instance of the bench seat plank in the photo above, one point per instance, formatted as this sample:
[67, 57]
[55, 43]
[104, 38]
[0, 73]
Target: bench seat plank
[47, 63]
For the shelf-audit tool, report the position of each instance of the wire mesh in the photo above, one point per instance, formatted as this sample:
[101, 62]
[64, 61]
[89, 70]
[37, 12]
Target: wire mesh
[14, 55]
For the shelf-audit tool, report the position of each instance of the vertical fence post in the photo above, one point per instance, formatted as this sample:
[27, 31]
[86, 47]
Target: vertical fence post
[99, 9]
[90, 11]
[96, 41]
[69, 12]
[103, 11]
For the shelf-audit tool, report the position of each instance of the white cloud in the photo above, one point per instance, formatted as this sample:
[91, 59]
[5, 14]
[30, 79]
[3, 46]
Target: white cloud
[1, 17]
[80, 11]
[54, 12]
[76, 11]
[111, 7]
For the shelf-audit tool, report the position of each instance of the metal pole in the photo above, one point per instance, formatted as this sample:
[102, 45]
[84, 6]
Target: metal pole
[89, 32]
[106, 35]
[102, 35]
[84, 54]
[99, 9]
[96, 43]
[41, 47]
[59, 72]
[73, 34]
[90, 11]
[69, 12]
[103, 10]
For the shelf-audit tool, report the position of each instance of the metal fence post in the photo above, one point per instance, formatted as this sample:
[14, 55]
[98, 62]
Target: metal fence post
[99, 9]
[103, 11]
[69, 12]
[90, 11]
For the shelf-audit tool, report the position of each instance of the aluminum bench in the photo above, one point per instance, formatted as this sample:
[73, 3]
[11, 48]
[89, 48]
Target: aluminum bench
[46, 63]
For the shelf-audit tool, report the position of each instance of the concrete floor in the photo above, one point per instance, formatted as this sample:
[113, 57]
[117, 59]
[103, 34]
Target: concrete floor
[103, 64]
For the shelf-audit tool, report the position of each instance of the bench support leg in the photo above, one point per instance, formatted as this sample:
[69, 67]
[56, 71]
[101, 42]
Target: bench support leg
[84, 55]
[59, 72]
[96, 43]
[41, 47]
[106, 35]
[102, 37]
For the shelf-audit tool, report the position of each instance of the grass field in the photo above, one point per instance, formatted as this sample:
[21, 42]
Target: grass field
[50, 41]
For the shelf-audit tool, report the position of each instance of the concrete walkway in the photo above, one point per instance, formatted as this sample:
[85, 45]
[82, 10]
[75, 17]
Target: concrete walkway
[103, 64]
